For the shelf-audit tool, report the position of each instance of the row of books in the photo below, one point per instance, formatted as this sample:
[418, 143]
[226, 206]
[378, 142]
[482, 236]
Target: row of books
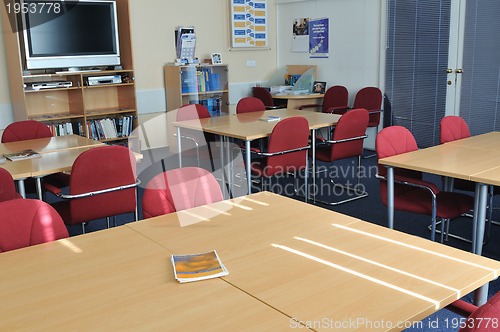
[109, 128]
[201, 80]
[66, 128]
[214, 104]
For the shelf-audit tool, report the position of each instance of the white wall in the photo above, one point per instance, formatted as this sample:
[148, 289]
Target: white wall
[355, 38]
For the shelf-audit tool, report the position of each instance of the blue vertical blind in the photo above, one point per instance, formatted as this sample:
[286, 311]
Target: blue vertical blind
[479, 97]
[416, 64]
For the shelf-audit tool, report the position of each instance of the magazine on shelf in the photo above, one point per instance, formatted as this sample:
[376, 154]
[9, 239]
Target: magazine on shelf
[22, 155]
[201, 266]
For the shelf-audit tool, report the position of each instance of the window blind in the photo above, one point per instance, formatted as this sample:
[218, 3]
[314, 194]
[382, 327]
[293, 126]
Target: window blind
[479, 97]
[416, 64]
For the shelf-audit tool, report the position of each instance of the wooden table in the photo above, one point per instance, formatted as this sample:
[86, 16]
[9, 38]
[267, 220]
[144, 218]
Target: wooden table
[57, 155]
[295, 101]
[320, 267]
[473, 159]
[118, 280]
[50, 144]
[248, 127]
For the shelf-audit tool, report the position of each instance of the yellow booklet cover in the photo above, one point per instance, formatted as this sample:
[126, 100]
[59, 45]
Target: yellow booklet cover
[194, 267]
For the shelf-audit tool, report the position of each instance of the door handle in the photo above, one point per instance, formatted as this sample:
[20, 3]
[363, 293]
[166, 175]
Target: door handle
[449, 71]
[458, 71]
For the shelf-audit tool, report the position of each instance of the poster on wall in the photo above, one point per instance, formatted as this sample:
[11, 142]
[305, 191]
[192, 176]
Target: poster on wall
[318, 38]
[249, 24]
[300, 28]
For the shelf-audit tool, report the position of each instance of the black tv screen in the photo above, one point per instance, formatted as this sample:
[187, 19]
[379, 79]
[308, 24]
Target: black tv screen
[78, 34]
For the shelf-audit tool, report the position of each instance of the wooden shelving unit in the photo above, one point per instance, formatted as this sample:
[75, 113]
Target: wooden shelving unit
[195, 84]
[79, 103]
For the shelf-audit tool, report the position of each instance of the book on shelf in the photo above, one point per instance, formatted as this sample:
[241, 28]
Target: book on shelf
[195, 267]
[22, 155]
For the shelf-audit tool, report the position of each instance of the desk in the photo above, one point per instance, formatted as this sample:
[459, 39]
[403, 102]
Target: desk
[295, 101]
[472, 158]
[315, 265]
[118, 280]
[248, 127]
[49, 144]
[55, 152]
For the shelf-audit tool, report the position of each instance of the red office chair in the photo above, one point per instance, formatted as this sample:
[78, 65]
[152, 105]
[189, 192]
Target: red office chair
[479, 319]
[453, 128]
[196, 142]
[370, 98]
[250, 104]
[286, 152]
[334, 101]
[347, 142]
[27, 222]
[7, 186]
[411, 193]
[102, 184]
[24, 130]
[265, 96]
[179, 189]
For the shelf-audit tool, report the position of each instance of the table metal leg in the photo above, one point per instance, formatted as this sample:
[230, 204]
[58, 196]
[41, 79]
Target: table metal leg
[249, 170]
[479, 223]
[480, 199]
[39, 188]
[179, 146]
[20, 187]
[390, 197]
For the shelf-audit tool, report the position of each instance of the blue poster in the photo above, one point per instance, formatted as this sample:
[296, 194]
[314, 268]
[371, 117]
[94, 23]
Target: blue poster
[318, 38]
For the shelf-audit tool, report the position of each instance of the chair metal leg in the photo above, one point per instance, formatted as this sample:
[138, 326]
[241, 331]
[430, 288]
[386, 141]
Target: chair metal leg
[107, 222]
[83, 228]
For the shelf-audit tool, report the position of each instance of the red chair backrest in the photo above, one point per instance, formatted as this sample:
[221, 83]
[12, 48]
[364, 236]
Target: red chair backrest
[23, 130]
[192, 112]
[488, 312]
[7, 186]
[103, 168]
[369, 98]
[452, 128]
[179, 189]
[335, 96]
[288, 134]
[250, 104]
[351, 124]
[393, 141]
[264, 95]
[26, 222]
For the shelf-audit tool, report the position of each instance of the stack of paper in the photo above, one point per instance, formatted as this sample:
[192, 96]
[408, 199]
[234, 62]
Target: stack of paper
[196, 267]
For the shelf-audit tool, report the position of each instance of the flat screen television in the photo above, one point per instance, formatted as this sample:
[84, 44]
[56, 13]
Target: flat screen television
[70, 34]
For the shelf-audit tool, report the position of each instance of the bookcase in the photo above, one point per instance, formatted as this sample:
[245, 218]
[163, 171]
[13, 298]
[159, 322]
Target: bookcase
[105, 112]
[195, 84]
[201, 84]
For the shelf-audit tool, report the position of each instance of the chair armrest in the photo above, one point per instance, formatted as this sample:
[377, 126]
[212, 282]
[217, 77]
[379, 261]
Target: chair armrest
[347, 139]
[374, 111]
[309, 106]
[462, 308]
[102, 191]
[270, 154]
[422, 184]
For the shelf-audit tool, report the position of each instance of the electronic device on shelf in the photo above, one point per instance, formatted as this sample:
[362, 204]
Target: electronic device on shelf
[108, 79]
[51, 85]
[72, 34]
